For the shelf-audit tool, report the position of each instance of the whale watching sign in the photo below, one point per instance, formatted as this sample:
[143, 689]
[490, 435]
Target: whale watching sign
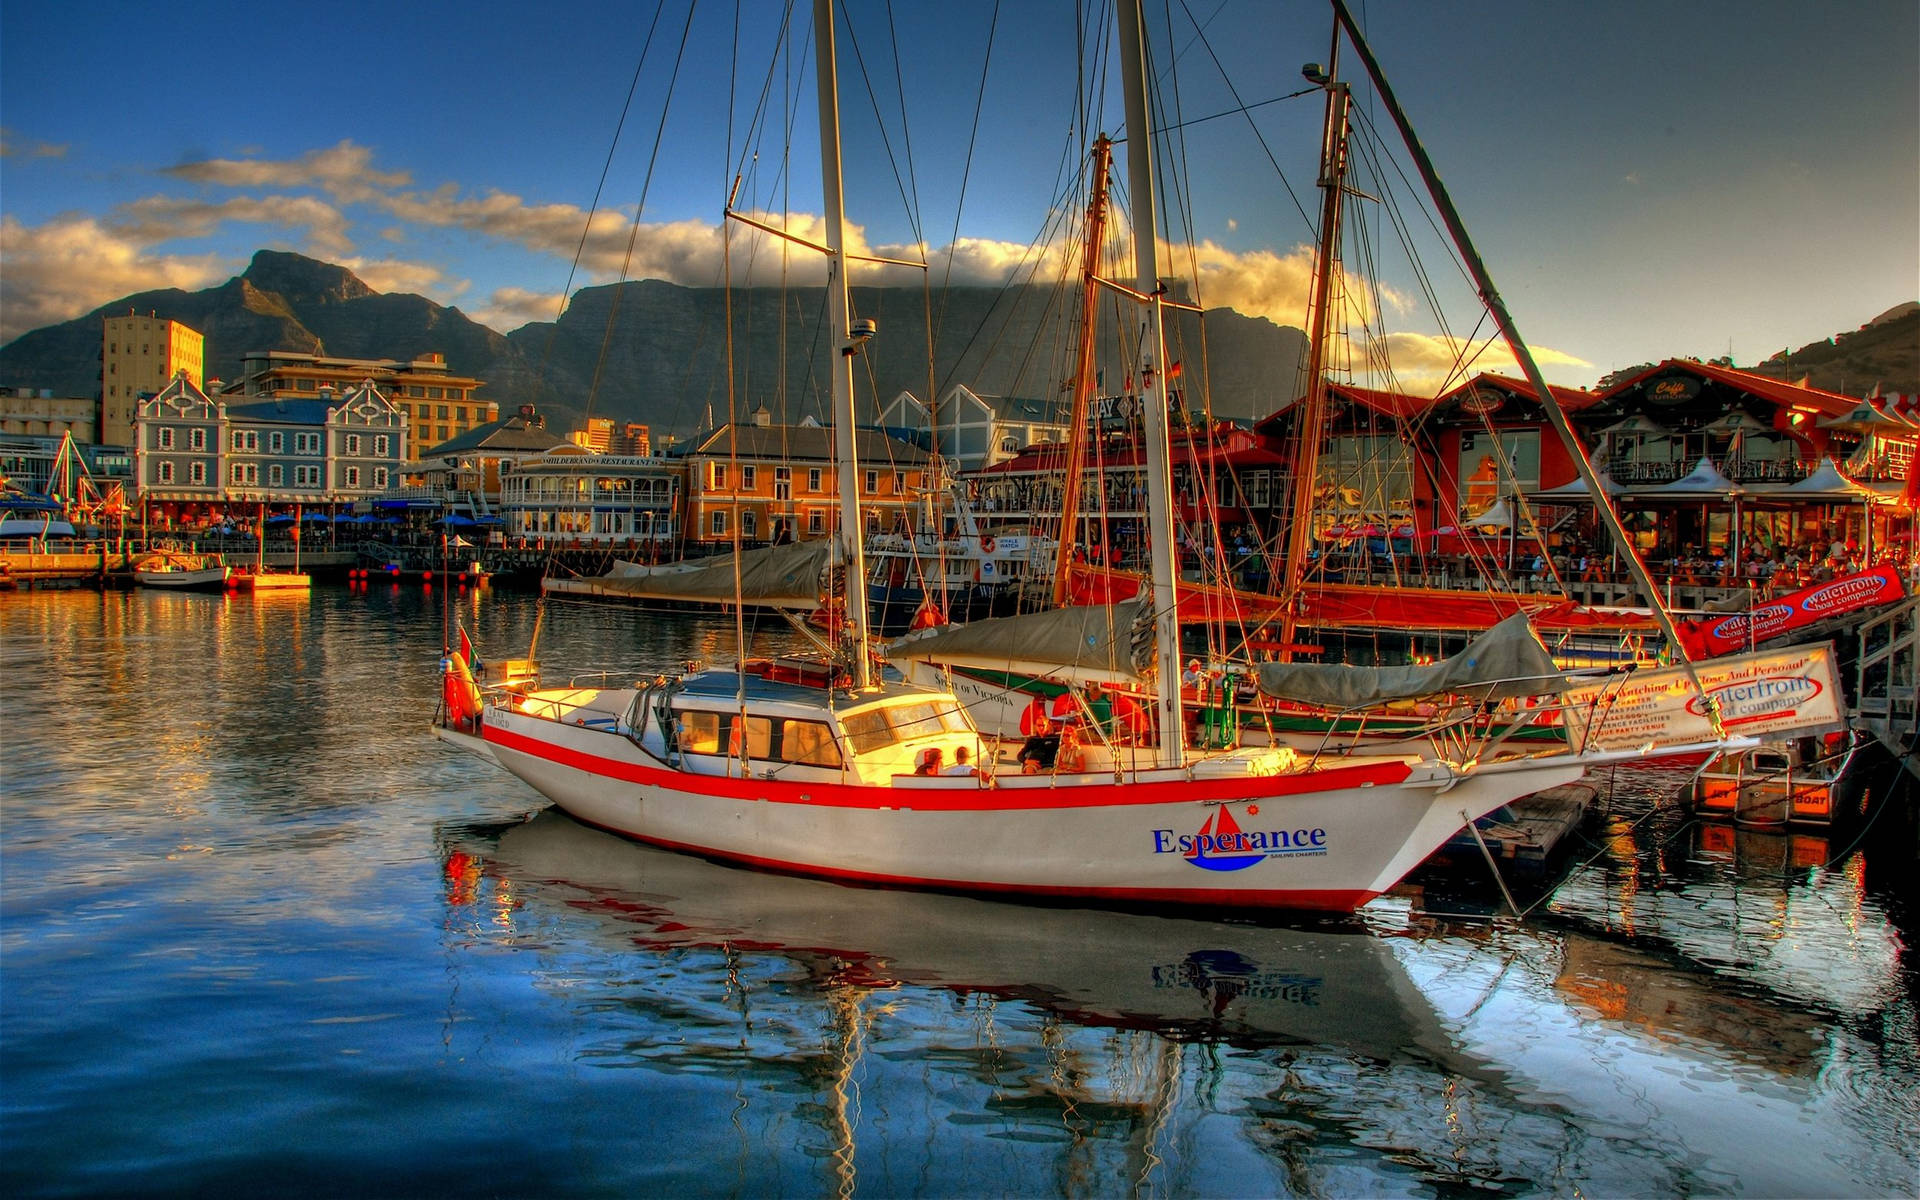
[1770, 693]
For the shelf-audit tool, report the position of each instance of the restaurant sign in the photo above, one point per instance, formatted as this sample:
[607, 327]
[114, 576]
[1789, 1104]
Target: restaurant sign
[1674, 389]
[1771, 693]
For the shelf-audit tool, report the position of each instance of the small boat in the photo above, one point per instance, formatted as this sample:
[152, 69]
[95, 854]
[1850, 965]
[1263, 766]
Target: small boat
[177, 572]
[1522, 837]
[258, 580]
[1778, 783]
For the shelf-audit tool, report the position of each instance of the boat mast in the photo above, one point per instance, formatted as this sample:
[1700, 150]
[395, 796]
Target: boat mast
[1077, 431]
[1497, 308]
[1153, 397]
[853, 552]
[1310, 430]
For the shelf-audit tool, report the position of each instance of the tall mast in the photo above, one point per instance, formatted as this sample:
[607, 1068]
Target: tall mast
[1077, 433]
[1497, 308]
[1153, 397]
[1310, 430]
[853, 550]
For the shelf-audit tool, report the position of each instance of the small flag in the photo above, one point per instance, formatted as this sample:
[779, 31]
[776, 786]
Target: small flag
[1173, 371]
[467, 654]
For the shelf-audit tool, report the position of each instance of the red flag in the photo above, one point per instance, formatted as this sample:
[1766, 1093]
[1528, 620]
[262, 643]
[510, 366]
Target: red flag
[467, 655]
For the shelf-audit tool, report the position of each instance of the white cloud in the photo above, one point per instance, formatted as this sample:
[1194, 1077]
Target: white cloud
[510, 307]
[12, 147]
[345, 171]
[395, 275]
[1427, 364]
[70, 265]
[167, 218]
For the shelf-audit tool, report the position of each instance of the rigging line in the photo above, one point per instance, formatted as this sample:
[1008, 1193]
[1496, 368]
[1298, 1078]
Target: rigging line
[966, 170]
[633, 232]
[606, 168]
[761, 105]
[1244, 107]
[886, 143]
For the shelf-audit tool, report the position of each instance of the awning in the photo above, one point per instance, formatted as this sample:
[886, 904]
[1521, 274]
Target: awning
[1575, 492]
[1827, 483]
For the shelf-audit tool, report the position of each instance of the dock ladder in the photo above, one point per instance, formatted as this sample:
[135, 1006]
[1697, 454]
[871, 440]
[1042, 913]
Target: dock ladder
[1887, 688]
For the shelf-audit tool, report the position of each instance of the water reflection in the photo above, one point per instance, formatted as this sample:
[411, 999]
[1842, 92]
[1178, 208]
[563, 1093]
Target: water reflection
[237, 875]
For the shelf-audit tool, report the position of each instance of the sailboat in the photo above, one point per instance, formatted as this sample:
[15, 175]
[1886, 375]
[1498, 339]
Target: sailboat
[823, 768]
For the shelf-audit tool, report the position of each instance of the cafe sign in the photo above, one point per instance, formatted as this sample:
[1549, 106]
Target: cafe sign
[1674, 389]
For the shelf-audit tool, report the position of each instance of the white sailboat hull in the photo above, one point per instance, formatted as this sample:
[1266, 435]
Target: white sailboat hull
[1325, 840]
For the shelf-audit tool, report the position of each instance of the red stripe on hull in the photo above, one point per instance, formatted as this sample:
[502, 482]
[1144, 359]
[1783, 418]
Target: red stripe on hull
[1320, 901]
[872, 796]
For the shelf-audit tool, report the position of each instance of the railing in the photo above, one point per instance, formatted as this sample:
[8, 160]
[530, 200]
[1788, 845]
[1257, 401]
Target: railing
[1887, 686]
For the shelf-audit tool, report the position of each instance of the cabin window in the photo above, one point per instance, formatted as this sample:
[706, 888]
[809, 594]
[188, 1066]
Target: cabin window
[915, 721]
[700, 732]
[868, 731]
[759, 741]
[809, 742]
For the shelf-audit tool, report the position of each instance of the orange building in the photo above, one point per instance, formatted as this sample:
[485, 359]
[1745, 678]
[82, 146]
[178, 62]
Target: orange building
[777, 483]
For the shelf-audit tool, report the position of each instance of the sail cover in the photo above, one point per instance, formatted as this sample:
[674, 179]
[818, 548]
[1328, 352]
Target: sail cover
[1111, 641]
[1504, 662]
[790, 576]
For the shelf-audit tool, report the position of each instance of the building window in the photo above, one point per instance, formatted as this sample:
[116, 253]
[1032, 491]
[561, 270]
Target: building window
[276, 442]
[717, 523]
[873, 483]
[196, 439]
[716, 476]
[197, 473]
[816, 522]
[353, 445]
[247, 440]
[899, 483]
[442, 414]
[749, 478]
[166, 437]
[245, 473]
[380, 477]
[813, 479]
[381, 445]
[353, 477]
[166, 472]
[275, 475]
[306, 476]
[783, 483]
[749, 524]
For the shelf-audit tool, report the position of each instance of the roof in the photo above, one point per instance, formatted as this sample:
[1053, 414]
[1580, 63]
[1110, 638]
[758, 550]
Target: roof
[1020, 408]
[1827, 404]
[285, 412]
[1570, 399]
[514, 434]
[808, 442]
[1397, 405]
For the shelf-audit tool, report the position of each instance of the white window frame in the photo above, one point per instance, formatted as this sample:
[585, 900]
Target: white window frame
[196, 439]
[381, 445]
[749, 478]
[166, 472]
[353, 477]
[717, 522]
[276, 475]
[380, 478]
[166, 437]
[814, 477]
[353, 445]
[197, 474]
[277, 442]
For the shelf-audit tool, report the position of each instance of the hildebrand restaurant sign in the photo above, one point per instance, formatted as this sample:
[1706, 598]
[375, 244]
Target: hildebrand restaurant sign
[1773, 692]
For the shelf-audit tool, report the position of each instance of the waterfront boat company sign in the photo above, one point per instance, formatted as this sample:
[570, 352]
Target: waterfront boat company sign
[1766, 694]
[1868, 589]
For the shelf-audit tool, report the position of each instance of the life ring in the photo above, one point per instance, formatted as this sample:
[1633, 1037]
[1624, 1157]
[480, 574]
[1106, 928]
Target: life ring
[986, 542]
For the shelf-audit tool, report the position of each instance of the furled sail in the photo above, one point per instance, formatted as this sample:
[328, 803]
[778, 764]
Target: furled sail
[790, 576]
[1505, 662]
[1106, 642]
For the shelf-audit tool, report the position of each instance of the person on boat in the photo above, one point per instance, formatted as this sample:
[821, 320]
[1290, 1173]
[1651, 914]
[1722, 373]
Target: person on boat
[1066, 708]
[1130, 723]
[1100, 707]
[962, 764]
[1071, 757]
[1034, 721]
[929, 763]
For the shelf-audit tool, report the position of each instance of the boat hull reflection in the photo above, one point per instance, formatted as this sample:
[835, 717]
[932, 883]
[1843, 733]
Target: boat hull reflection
[1180, 976]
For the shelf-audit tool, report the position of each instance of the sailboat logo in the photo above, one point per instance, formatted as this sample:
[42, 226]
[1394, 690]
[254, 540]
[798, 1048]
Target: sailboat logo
[1221, 845]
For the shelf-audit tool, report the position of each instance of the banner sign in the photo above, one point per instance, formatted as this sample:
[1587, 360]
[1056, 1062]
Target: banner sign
[1722, 635]
[1767, 694]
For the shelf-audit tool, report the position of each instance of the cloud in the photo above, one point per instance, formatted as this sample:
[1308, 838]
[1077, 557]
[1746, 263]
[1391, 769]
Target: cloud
[10, 147]
[509, 308]
[395, 275]
[167, 218]
[71, 265]
[344, 171]
[1427, 364]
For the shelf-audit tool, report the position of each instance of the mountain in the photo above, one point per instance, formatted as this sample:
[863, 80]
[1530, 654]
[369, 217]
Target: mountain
[659, 350]
[1883, 353]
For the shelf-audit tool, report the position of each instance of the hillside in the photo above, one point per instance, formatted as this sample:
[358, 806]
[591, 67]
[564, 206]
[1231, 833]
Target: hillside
[1883, 353]
[659, 350]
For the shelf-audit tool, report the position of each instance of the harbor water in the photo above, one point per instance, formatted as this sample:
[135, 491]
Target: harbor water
[261, 934]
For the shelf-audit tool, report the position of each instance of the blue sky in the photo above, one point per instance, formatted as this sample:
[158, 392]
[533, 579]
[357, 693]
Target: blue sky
[1643, 179]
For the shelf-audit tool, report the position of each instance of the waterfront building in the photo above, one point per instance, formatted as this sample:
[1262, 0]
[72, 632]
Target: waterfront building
[632, 441]
[777, 483]
[466, 471]
[28, 412]
[595, 435]
[195, 453]
[438, 404]
[970, 431]
[140, 356]
[567, 496]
